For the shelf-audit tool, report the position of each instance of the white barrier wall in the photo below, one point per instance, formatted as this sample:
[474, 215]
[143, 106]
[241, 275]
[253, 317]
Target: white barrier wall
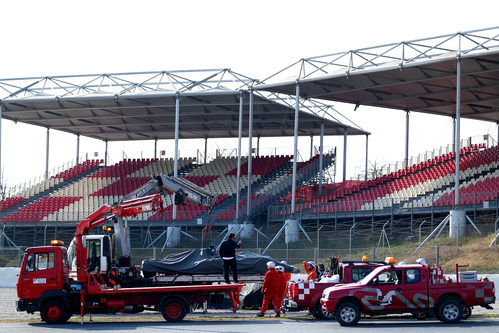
[9, 277]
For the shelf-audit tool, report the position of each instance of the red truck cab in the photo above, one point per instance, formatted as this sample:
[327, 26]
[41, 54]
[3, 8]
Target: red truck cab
[306, 295]
[44, 275]
[405, 289]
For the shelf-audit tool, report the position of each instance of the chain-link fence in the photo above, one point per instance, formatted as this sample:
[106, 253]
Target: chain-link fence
[480, 257]
[11, 257]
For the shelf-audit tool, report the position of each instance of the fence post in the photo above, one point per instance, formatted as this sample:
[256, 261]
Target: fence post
[372, 221]
[432, 203]
[412, 214]
[391, 219]
[437, 255]
[335, 215]
[474, 207]
[287, 254]
[497, 205]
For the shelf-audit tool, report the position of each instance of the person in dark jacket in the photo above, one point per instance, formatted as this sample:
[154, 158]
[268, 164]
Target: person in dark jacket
[228, 254]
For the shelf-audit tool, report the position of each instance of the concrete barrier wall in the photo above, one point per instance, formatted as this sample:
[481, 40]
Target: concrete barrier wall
[8, 277]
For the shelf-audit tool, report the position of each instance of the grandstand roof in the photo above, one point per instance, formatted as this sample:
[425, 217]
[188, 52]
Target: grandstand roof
[418, 75]
[141, 106]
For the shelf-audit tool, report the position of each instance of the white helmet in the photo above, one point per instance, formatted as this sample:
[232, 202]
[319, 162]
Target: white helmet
[284, 262]
[421, 261]
[270, 264]
[280, 269]
[311, 263]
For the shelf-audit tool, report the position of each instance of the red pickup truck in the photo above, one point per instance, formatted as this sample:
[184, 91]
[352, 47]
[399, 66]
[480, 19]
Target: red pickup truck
[406, 289]
[306, 295]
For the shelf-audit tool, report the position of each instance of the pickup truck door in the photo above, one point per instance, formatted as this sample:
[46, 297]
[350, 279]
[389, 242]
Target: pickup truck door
[40, 274]
[415, 289]
[389, 289]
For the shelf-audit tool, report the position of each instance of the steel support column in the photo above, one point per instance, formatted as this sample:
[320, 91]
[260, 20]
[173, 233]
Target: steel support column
[295, 150]
[77, 149]
[155, 148]
[105, 154]
[258, 146]
[458, 128]
[47, 154]
[321, 158]
[311, 146]
[175, 162]
[239, 134]
[250, 148]
[453, 133]
[345, 154]
[205, 149]
[367, 157]
[406, 159]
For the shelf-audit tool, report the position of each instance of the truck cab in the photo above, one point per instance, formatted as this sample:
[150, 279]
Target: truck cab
[44, 274]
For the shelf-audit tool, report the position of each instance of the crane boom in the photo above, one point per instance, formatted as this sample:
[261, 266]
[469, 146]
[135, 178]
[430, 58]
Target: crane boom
[139, 201]
[183, 189]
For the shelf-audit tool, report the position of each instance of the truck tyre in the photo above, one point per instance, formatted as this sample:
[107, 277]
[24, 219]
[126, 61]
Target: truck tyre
[450, 311]
[54, 312]
[320, 313]
[347, 314]
[173, 310]
[466, 311]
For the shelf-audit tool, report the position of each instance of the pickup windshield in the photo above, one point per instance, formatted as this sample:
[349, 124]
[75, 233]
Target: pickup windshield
[371, 275]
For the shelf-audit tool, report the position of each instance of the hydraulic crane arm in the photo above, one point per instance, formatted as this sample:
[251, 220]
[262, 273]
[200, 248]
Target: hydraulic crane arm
[150, 203]
[183, 189]
[137, 202]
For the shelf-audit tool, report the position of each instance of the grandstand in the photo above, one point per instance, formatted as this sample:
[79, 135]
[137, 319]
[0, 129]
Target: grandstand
[219, 103]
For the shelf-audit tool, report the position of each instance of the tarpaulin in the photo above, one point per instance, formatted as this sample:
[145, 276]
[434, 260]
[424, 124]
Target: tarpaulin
[198, 261]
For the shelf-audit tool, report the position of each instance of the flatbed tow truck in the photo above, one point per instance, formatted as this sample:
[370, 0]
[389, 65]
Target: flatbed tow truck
[104, 286]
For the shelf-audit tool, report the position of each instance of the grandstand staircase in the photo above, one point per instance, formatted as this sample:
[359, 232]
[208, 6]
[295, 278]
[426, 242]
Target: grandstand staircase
[231, 201]
[277, 184]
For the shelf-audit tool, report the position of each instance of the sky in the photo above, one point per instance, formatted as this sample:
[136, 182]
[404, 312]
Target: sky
[256, 38]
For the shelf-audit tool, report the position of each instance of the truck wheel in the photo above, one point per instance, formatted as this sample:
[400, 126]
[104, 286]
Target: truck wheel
[450, 311]
[320, 313]
[347, 314]
[54, 312]
[466, 311]
[173, 310]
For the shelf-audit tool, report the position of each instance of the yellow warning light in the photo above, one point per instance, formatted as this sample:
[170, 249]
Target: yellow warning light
[109, 229]
[364, 258]
[104, 228]
[390, 260]
[56, 242]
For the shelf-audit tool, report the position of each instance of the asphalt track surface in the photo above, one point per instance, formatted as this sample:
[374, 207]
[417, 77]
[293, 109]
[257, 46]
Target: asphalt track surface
[226, 321]
[408, 325]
